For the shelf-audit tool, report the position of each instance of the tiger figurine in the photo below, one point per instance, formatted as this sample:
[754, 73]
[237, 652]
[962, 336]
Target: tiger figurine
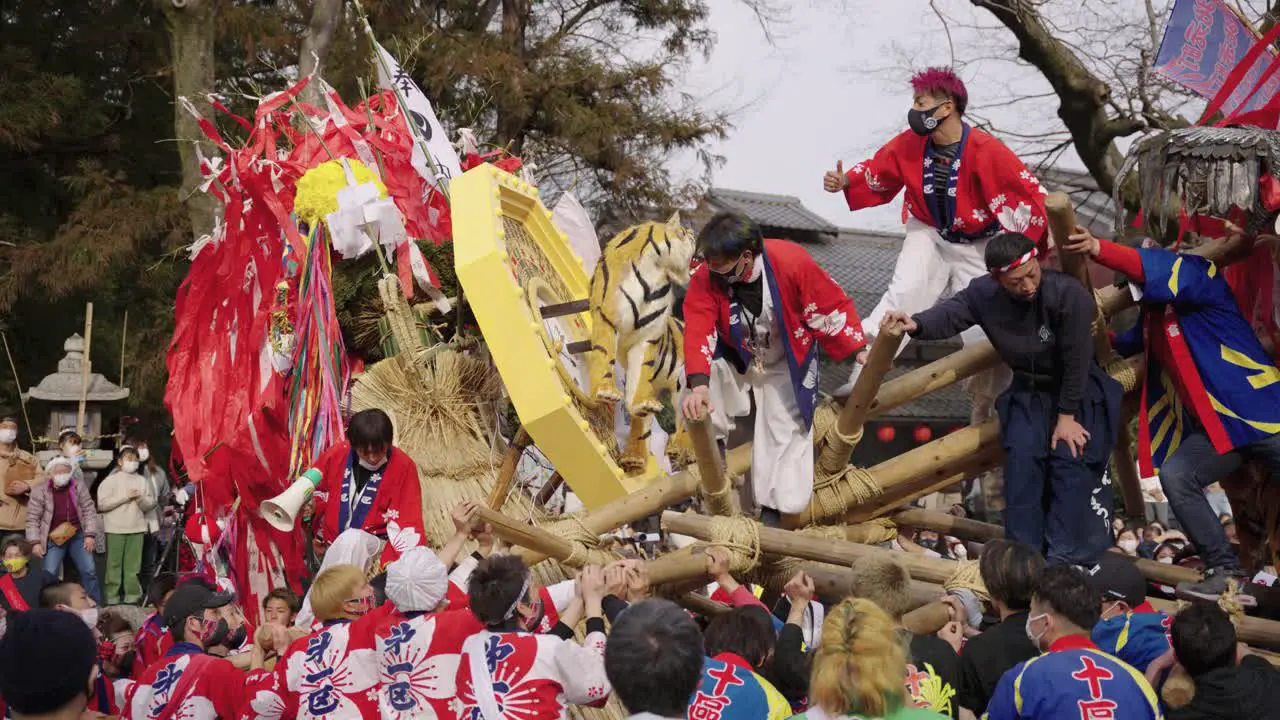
[633, 295]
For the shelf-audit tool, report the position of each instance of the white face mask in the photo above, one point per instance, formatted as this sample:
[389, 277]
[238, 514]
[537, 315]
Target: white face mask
[70, 450]
[1129, 546]
[90, 617]
[129, 466]
[370, 466]
[8, 436]
[1166, 560]
[62, 480]
[144, 454]
[1035, 639]
[960, 551]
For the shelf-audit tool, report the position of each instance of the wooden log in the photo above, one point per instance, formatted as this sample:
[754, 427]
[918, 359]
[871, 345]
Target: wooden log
[1252, 631]
[716, 487]
[774, 541]
[927, 461]
[938, 458]
[966, 362]
[928, 618]
[893, 500]
[507, 473]
[652, 499]
[702, 605]
[981, 532]
[840, 440]
[980, 356]
[524, 535]
[682, 565]
[948, 524]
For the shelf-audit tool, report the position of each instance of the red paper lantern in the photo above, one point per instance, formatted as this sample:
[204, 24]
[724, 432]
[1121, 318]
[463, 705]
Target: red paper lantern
[886, 433]
[922, 433]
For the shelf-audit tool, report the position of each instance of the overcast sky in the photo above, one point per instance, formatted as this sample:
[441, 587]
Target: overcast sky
[832, 86]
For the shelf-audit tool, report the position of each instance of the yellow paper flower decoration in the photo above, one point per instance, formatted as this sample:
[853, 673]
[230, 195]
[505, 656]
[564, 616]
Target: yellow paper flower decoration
[318, 188]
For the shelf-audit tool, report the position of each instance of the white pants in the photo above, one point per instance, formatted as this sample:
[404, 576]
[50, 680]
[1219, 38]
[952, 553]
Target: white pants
[928, 267]
[781, 446]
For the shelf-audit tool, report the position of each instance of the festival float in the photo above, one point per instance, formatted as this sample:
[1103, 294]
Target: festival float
[260, 380]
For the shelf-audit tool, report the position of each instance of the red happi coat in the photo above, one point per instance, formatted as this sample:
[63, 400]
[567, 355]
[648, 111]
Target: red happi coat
[418, 663]
[186, 684]
[535, 677]
[398, 500]
[809, 307]
[993, 190]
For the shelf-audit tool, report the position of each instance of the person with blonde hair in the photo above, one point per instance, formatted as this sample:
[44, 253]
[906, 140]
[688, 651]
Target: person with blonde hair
[334, 670]
[860, 668]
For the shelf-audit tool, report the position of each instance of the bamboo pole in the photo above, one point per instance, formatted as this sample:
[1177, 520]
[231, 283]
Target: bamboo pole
[84, 369]
[124, 339]
[507, 473]
[980, 356]
[22, 401]
[844, 435]
[716, 487]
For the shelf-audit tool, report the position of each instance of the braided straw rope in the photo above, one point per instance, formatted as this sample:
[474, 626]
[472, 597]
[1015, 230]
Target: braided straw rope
[835, 494]
[586, 544]
[968, 577]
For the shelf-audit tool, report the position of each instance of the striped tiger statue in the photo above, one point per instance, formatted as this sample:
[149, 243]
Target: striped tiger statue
[633, 294]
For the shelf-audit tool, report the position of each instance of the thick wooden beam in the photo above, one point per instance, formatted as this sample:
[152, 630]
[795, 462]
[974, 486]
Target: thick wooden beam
[774, 541]
[652, 499]
[840, 440]
[716, 486]
[981, 532]
[507, 473]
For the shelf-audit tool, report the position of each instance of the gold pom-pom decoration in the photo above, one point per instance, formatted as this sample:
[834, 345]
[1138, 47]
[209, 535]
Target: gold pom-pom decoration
[318, 188]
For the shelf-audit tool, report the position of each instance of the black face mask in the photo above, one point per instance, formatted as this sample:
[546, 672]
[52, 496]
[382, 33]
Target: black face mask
[922, 122]
[219, 636]
[236, 638]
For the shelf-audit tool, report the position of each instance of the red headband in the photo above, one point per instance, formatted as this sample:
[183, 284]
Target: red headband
[1017, 262]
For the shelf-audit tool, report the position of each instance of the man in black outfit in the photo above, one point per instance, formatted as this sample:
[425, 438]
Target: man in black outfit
[1060, 416]
[1009, 571]
[1228, 684]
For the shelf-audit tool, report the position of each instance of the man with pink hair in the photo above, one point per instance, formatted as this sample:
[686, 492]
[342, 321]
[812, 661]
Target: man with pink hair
[963, 187]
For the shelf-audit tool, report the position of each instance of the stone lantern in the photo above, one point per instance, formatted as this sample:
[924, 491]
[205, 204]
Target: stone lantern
[61, 392]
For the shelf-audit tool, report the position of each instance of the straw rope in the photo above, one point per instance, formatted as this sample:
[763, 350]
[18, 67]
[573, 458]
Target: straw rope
[586, 544]
[967, 576]
[835, 494]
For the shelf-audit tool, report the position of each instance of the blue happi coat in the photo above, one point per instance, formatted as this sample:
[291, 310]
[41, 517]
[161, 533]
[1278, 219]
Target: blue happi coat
[1232, 383]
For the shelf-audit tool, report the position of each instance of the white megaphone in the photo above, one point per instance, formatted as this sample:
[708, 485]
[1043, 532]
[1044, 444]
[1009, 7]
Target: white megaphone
[281, 511]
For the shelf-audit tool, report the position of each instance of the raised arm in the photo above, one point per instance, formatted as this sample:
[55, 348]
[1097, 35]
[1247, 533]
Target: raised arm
[871, 182]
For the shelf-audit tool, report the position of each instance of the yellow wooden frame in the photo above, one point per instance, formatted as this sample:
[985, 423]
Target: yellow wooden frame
[506, 251]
